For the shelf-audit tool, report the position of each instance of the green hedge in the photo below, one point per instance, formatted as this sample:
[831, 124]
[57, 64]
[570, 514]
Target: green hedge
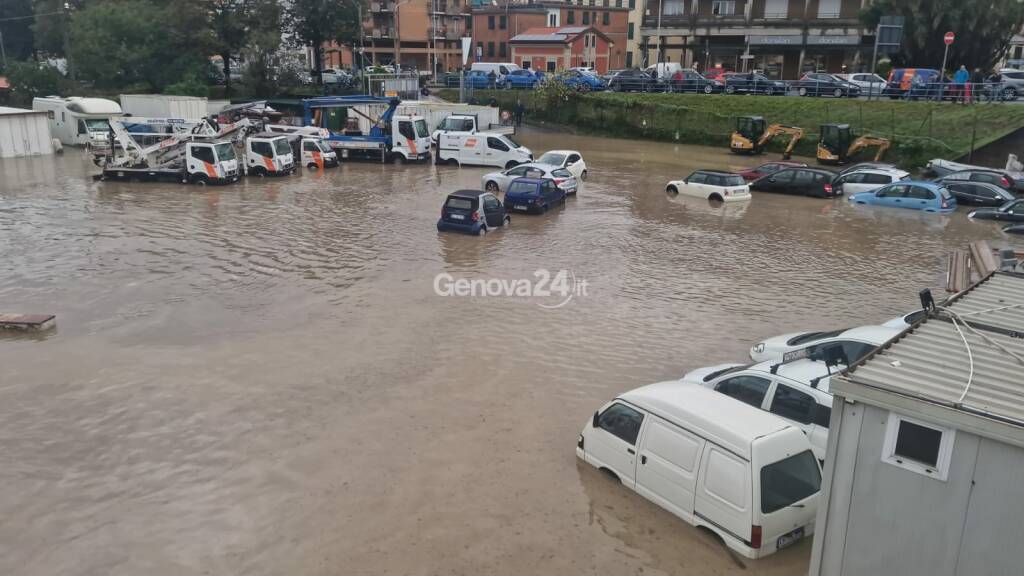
[920, 131]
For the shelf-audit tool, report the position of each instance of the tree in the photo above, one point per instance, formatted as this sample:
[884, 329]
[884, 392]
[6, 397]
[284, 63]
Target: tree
[16, 29]
[230, 27]
[262, 55]
[52, 24]
[983, 29]
[315, 22]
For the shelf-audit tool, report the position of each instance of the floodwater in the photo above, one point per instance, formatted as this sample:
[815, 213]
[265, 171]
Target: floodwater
[261, 379]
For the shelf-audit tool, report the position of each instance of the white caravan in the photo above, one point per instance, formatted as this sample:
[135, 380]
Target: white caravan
[744, 474]
[79, 121]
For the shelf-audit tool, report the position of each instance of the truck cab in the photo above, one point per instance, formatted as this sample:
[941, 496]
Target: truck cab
[211, 162]
[410, 139]
[268, 154]
[317, 155]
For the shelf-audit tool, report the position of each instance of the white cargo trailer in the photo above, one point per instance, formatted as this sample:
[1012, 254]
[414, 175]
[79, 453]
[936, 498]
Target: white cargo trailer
[163, 106]
[24, 133]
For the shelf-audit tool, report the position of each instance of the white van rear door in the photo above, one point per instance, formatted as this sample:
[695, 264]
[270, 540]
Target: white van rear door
[667, 472]
[723, 494]
[612, 444]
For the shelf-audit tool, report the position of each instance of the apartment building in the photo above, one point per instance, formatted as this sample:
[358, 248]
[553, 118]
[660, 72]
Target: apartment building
[784, 38]
[415, 34]
[494, 26]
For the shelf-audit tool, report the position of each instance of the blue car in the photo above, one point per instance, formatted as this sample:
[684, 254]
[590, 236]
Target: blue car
[522, 79]
[533, 195]
[480, 80]
[581, 82]
[910, 194]
[473, 212]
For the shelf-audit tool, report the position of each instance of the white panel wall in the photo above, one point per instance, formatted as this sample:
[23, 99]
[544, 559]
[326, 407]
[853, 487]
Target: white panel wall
[24, 135]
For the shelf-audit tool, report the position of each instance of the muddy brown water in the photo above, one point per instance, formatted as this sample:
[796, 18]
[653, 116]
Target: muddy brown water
[260, 379]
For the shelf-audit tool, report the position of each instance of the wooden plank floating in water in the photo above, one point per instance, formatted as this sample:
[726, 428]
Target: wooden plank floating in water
[27, 322]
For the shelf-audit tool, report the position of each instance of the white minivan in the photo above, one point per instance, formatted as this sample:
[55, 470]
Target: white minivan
[744, 474]
[481, 149]
[500, 69]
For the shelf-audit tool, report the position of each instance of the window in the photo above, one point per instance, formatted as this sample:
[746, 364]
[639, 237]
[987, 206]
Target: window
[490, 49]
[828, 8]
[503, 22]
[985, 177]
[822, 416]
[263, 149]
[893, 192]
[618, 3]
[674, 7]
[551, 65]
[552, 20]
[572, 159]
[632, 4]
[502, 48]
[792, 404]
[803, 177]
[495, 144]
[776, 9]
[855, 178]
[920, 193]
[723, 7]
[697, 178]
[586, 17]
[459, 203]
[917, 446]
[405, 129]
[606, 18]
[870, 178]
[783, 176]
[203, 154]
[570, 17]
[491, 204]
[309, 146]
[629, 35]
[746, 389]
[490, 22]
[789, 481]
[479, 47]
[629, 54]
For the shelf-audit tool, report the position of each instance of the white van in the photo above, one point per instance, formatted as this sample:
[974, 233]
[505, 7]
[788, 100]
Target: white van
[665, 70]
[744, 474]
[79, 121]
[481, 149]
[500, 69]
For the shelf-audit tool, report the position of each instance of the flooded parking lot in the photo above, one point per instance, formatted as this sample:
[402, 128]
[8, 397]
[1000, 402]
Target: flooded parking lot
[264, 379]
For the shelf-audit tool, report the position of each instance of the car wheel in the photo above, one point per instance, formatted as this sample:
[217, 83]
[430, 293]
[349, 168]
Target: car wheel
[584, 88]
[259, 171]
[482, 231]
[730, 89]
[312, 166]
[672, 190]
[511, 164]
[583, 175]
[1010, 93]
[453, 162]
[200, 179]
[708, 89]
[491, 187]
[802, 91]
[507, 221]
[397, 159]
[838, 92]
[715, 198]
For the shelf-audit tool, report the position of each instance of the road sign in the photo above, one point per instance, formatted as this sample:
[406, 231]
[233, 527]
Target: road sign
[948, 38]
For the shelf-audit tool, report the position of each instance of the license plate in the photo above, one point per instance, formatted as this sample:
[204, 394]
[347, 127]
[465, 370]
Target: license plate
[789, 539]
[520, 207]
[456, 216]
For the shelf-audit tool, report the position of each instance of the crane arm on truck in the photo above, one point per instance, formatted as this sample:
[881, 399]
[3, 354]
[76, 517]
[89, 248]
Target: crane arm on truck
[795, 133]
[311, 105]
[181, 131]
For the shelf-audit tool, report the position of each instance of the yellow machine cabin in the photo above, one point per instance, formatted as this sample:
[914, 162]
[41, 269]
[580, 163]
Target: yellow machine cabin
[837, 146]
[751, 136]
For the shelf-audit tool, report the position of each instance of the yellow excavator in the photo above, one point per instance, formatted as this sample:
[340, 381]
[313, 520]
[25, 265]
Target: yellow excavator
[835, 146]
[751, 136]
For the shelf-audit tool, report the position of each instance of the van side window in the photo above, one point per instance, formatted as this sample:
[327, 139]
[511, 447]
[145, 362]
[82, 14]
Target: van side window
[792, 404]
[726, 478]
[621, 421]
[746, 389]
[495, 144]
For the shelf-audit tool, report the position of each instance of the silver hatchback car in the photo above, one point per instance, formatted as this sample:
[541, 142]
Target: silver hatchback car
[495, 182]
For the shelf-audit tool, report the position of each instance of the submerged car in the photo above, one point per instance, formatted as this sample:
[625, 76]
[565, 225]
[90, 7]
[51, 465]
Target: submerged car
[856, 342]
[867, 165]
[571, 160]
[533, 195]
[989, 176]
[495, 182]
[712, 185]
[767, 169]
[912, 195]
[1012, 211]
[868, 179]
[472, 212]
[979, 193]
[804, 181]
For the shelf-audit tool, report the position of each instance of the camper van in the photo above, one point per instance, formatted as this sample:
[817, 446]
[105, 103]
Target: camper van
[481, 149]
[742, 473]
[79, 121]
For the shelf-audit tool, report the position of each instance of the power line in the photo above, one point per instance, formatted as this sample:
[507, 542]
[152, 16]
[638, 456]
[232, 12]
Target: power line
[13, 18]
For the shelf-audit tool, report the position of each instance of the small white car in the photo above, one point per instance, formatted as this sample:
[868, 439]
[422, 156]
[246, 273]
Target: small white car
[868, 83]
[571, 160]
[335, 76]
[495, 182]
[712, 185]
[868, 179]
[856, 342]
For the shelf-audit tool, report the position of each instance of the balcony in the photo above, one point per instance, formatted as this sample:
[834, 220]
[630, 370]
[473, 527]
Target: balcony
[382, 6]
[383, 33]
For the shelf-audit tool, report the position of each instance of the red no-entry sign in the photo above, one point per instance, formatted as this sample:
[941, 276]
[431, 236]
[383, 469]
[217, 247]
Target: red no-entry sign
[948, 38]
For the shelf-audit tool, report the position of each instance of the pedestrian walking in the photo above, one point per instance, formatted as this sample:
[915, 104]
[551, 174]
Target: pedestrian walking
[960, 80]
[520, 109]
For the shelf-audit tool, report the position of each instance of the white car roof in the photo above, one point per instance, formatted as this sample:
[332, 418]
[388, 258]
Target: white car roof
[730, 422]
[801, 371]
[885, 171]
[566, 152]
[876, 335]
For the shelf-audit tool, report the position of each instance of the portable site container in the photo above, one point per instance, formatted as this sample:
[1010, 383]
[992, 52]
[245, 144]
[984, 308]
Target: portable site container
[24, 133]
[163, 106]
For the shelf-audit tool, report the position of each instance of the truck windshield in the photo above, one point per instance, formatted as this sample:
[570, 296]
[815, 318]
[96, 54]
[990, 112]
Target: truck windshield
[97, 124]
[457, 124]
[281, 147]
[421, 129]
[225, 151]
[789, 481]
[323, 146]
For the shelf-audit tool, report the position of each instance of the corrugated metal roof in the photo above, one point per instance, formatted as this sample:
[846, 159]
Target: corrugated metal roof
[930, 362]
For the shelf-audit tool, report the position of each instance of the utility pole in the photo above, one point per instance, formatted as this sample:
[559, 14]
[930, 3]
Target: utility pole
[661, 9]
[3, 52]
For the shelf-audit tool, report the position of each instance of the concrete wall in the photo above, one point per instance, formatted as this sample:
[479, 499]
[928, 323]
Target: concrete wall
[24, 133]
[877, 518]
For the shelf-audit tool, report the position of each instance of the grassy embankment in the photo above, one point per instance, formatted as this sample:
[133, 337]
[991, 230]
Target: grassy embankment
[919, 130]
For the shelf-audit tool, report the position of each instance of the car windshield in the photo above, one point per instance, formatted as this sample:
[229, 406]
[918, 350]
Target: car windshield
[733, 180]
[522, 188]
[421, 129]
[725, 371]
[97, 124]
[225, 151]
[459, 203]
[1009, 206]
[552, 158]
[789, 481]
[809, 336]
[281, 146]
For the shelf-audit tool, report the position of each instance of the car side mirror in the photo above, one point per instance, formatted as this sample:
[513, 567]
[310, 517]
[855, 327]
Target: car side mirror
[594, 423]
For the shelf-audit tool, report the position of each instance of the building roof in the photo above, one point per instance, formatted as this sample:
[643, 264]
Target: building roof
[8, 111]
[559, 35]
[930, 370]
[702, 410]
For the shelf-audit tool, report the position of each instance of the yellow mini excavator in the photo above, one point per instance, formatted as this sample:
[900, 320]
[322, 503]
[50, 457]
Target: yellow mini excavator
[835, 146]
[751, 136]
